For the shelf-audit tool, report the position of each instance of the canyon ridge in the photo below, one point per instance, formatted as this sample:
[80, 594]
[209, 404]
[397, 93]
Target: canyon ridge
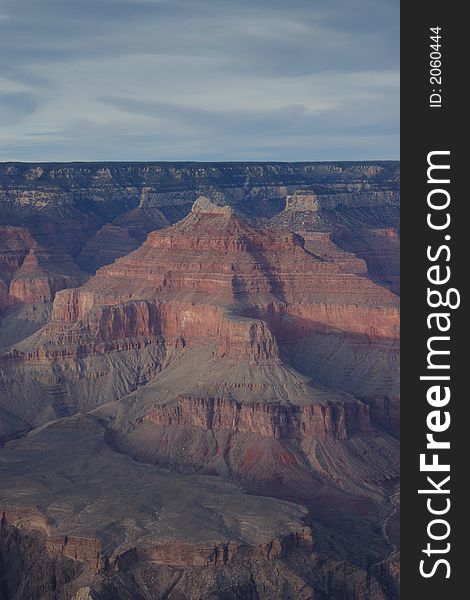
[199, 381]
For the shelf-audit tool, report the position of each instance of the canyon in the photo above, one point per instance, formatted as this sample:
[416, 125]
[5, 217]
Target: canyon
[199, 381]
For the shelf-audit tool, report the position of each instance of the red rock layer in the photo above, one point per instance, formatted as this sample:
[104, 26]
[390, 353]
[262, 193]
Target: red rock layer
[179, 554]
[380, 248]
[337, 420]
[81, 549]
[120, 237]
[211, 277]
[175, 553]
[30, 274]
[138, 324]
[321, 244]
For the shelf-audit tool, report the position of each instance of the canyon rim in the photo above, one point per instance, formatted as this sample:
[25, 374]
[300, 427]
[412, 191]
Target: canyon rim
[199, 381]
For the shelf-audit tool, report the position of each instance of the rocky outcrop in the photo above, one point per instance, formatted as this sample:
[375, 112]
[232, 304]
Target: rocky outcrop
[264, 445]
[317, 421]
[357, 229]
[65, 205]
[30, 274]
[136, 325]
[230, 571]
[175, 553]
[327, 208]
[165, 520]
[229, 383]
[29, 188]
[239, 284]
[353, 196]
[379, 248]
[184, 555]
[214, 279]
[28, 570]
[119, 237]
[83, 550]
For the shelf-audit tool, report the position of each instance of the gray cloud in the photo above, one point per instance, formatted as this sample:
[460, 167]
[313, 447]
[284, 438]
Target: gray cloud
[292, 119]
[199, 79]
[15, 105]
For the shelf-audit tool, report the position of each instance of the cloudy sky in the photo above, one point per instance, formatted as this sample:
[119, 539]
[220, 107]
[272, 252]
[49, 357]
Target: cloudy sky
[199, 79]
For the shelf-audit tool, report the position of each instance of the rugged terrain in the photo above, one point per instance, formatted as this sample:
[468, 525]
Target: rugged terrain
[199, 381]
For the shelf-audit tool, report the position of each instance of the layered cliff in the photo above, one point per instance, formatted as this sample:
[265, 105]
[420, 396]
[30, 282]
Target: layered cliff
[125, 233]
[113, 188]
[358, 228]
[29, 273]
[156, 520]
[214, 412]
[262, 444]
[278, 421]
[65, 205]
[379, 248]
[212, 280]
[212, 276]
[325, 208]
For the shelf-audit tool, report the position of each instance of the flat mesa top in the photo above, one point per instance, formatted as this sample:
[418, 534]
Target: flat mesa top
[99, 494]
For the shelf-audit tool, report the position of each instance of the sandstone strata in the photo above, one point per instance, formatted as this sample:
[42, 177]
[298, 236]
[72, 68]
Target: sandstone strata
[65, 205]
[164, 519]
[360, 225]
[229, 384]
[335, 420]
[213, 277]
[29, 273]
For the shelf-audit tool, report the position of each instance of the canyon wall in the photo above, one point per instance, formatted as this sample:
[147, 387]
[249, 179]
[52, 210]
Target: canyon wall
[71, 206]
[318, 421]
[199, 381]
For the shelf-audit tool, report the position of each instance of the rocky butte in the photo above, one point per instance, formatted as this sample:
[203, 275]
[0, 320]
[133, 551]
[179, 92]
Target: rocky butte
[199, 381]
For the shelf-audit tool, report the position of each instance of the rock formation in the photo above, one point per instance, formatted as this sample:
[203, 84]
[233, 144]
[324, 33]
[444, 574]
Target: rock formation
[380, 249]
[119, 237]
[64, 205]
[213, 275]
[214, 412]
[30, 274]
[363, 223]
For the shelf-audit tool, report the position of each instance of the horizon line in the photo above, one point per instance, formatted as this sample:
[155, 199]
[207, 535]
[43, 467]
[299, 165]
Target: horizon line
[193, 161]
